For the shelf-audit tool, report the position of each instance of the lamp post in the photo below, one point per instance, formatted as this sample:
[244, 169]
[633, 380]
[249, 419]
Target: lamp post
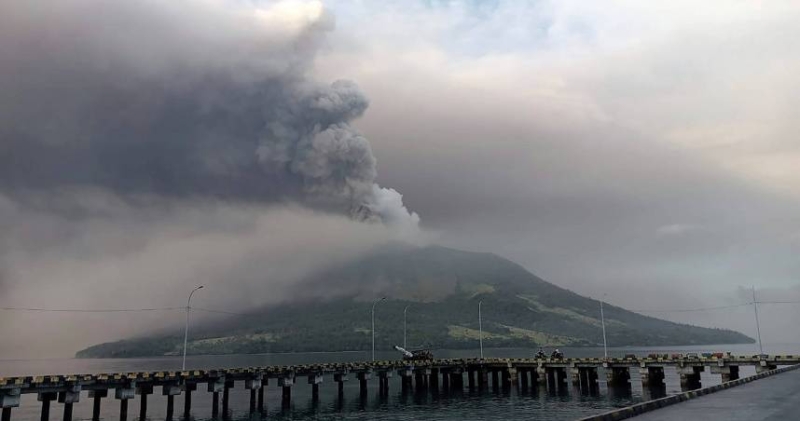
[405, 310]
[373, 326]
[758, 326]
[603, 321]
[186, 327]
[480, 327]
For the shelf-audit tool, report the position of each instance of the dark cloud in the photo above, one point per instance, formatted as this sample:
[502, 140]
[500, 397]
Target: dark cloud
[150, 101]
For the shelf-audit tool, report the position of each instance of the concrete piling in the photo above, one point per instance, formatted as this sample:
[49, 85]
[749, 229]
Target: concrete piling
[363, 378]
[9, 398]
[226, 391]
[253, 385]
[285, 383]
[523, 373]
[124, 394]
[652, 376]
[215, 386]
[314, 380]
[97, 396]
[170, 390]
[45, 399]
[188, 388]
[143, 391]
[618, 376]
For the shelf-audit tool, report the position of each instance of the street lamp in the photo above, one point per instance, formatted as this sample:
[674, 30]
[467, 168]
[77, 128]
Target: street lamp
[603, 321]
[186, 328]
[373, 326]
[480, 327]
[758, 326]
[405, 310]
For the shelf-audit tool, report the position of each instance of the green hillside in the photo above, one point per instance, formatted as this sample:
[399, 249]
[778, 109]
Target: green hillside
[442, 288]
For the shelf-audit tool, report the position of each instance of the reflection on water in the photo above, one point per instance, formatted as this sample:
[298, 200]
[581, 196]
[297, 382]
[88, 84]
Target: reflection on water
[437, 403]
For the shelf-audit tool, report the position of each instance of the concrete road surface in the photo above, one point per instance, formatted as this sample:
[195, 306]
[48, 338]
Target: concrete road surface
[775, 398]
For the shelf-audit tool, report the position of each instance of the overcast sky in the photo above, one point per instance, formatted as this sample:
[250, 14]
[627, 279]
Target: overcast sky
[643, 150]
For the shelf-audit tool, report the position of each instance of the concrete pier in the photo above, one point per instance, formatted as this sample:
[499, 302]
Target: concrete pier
[690, 376]
[97, 398]
[254, 386]
[363, 378]
[618, 376]
[188, 388]
[652, 376]
[340, 378]
[215, 386]
[143, 391]
[123, 394]
[285, 383]
[505, 373]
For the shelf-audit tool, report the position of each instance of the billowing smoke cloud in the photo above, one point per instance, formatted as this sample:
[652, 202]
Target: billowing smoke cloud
[190, 98]
[147, 147]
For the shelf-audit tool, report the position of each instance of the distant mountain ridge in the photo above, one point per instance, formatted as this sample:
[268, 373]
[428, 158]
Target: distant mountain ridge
[442, 287]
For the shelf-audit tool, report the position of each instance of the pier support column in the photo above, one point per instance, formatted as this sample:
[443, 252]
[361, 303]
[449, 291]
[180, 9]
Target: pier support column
[511, 378]
[143, 390]
[618, 376]
[363, 378]
[187, 399]
[483, 378]
[253, 385]
[123, 394]
[575, 376]
[652, 376]
[588, 378]
[314, 380]
[340, 378]
[45, 399]
[226, 395]
[286, 383]
[9, 398]
[495, 380]
[405, 379]
[264, 383]
[383, 382]
[433, 379]
[690, 377]
[524, 375]
[97, 397]
[170, 390]
[216, 386]
[471, 379]
[728, 372]
[68, 397]
[541, 376]
[765, 367]
[446, 377]
[456, 379]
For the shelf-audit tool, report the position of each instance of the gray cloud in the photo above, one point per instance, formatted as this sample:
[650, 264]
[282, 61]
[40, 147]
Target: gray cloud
[571, 152]
[158, 99]
[148, 147]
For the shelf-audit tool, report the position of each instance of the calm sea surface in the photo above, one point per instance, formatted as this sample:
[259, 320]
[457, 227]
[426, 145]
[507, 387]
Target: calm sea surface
[487, 405]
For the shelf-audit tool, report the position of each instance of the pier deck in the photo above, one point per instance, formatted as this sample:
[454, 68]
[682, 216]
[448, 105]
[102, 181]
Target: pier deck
[775, 398]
